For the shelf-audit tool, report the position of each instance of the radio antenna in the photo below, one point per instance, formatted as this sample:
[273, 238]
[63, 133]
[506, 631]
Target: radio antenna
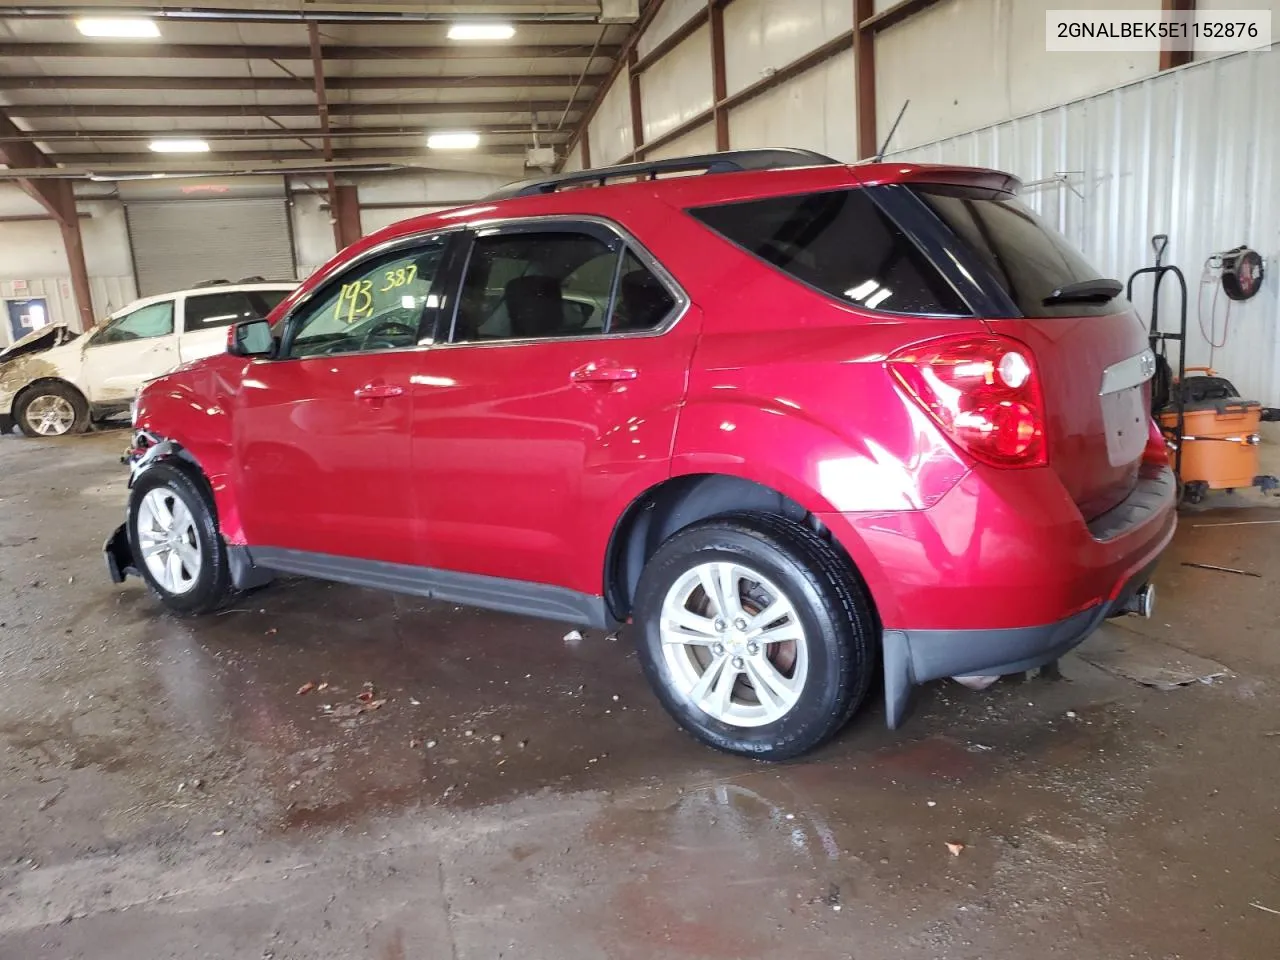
[892, 131]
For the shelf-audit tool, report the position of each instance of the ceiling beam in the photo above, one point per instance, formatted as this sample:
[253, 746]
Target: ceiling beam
[322, 103]
[396, 109]
[270, 133]
[472, 81]
[20, 154]
[336, 11]
[152, 161]
[231, 51]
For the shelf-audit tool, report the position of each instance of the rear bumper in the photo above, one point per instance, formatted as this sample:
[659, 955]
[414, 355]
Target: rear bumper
[918, 656]
[1005, 549]
[1003, 574]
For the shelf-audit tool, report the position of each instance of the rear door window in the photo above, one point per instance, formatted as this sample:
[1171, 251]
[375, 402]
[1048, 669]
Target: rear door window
[208, 310]
[1026, 257]
[841, 243]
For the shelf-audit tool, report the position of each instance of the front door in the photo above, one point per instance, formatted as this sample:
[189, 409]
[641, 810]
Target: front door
[554, 399]
[127, 351]
[322, 432]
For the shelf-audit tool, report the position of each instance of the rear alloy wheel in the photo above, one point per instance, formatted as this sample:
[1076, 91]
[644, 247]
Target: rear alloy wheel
[51, 411]
[175, 541]
[755, 635]
[734, 644]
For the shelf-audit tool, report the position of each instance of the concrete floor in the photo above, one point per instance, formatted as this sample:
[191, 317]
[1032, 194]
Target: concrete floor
[166, 792]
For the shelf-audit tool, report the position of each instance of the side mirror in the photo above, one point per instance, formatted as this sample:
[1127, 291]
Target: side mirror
[251, 338]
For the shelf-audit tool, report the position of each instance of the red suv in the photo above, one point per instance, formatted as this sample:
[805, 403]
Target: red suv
[796, 421]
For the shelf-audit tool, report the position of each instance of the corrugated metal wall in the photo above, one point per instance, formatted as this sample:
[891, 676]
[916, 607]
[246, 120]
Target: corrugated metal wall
[1193, 153]
[109, 295]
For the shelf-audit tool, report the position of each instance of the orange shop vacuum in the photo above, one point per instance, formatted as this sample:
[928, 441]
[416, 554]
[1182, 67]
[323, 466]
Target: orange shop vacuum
[1210, 429]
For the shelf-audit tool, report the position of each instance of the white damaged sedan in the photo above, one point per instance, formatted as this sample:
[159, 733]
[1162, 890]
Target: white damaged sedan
[54, 382]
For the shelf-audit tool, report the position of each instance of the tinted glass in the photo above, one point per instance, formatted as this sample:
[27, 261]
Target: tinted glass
[841, 243]
[209, 310]
[155, 320]
[376, 306]
[536, 285]
[1025, 256]
[643, 301]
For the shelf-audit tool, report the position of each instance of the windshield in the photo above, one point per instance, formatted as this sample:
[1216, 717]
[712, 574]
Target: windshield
[1024, 255]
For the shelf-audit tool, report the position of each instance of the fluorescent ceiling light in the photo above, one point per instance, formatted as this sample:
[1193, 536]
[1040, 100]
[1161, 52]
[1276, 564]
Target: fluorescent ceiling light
[481, 31]
[453, 141]
[119, 28]
[180, 146]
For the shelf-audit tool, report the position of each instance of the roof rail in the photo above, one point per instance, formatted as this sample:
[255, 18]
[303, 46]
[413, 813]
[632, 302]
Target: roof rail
[730, 161]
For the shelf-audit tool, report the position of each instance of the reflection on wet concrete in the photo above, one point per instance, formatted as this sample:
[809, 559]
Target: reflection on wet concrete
[167, 790]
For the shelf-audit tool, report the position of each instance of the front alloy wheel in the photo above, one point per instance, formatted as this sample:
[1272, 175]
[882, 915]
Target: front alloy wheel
[173, 534]
[50, 415]
[169, 540]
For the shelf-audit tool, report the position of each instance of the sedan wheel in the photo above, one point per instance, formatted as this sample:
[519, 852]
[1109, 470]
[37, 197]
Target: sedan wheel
[169, 540]
[50, 415]
[734, 644]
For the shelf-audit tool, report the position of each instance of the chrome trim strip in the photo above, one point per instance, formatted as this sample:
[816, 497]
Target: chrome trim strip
[1132, 372]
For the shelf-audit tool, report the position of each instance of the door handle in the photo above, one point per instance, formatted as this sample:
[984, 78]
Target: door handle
[378, 391]
[603, 372]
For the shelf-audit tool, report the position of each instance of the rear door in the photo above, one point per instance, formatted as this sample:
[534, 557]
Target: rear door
[206, 316]
[556, 393]
[1091, 348]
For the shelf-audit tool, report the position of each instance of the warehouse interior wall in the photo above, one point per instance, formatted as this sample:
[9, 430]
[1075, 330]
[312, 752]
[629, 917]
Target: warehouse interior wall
[1103, 171]
[33, 262]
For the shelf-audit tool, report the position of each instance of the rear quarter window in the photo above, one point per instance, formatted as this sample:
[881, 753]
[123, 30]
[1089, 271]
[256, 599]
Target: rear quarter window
[841, 243]
[1024, 256]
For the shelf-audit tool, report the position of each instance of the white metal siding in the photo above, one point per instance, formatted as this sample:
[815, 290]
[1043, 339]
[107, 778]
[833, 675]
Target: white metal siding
[610, 128]
[678, 87]
[815, 111]
[1192, 153]
[177, 243]
[673, 15]
[109, 294]
[764, 35]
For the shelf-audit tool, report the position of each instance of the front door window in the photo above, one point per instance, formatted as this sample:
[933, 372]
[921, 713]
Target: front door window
[145, 323]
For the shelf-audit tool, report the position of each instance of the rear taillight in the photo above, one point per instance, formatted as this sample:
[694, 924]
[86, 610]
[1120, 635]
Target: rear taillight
[984, 392]
[1157, 451]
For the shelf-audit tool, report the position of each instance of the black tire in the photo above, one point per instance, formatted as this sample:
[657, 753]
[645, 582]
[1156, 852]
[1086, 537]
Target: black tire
[211, 587]
[63, 391]
[830, 603]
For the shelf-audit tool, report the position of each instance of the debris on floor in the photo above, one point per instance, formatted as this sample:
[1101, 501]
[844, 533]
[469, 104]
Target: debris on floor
[306, 687]
[955, 848]
[1214, 566]
[573, 636]
[976, 682]
[1148, 662]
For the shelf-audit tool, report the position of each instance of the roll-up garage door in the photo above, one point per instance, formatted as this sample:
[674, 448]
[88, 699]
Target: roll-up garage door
[179, 243]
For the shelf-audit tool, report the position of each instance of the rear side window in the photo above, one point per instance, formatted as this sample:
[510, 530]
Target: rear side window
[1026, 257]
[208, 310]
[843, 244]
